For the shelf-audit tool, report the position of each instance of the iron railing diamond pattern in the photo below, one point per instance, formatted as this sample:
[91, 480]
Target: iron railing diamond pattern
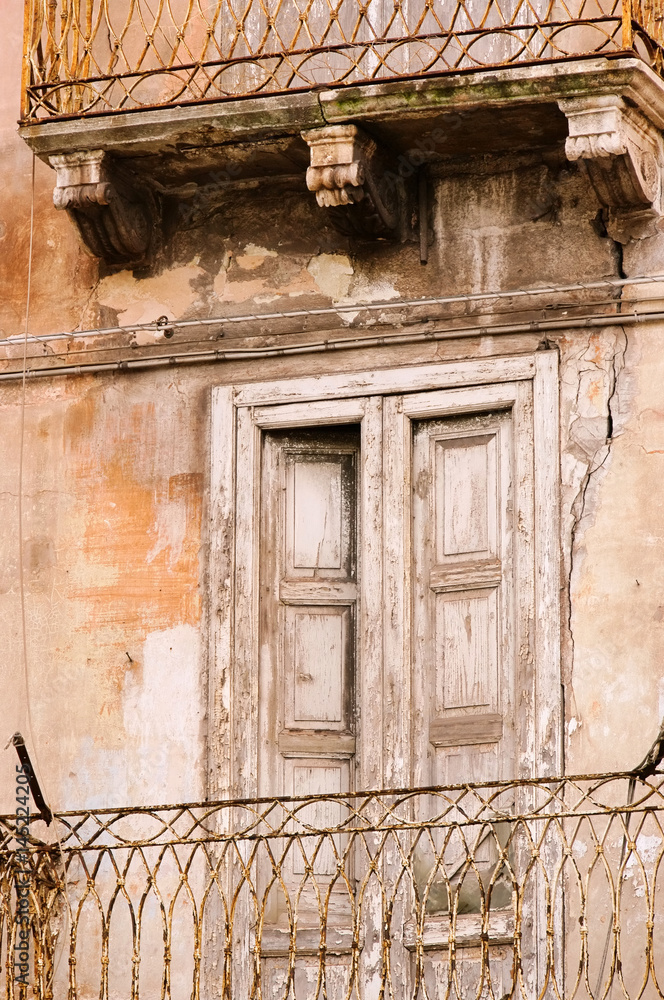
[531, 889]
[94, 56]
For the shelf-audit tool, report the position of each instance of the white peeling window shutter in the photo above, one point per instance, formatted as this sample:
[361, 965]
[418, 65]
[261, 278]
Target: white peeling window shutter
[463, 593]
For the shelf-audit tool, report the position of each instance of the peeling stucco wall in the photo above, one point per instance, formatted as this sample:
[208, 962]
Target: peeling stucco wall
[591, 368]
[116, 467]
[113, 496]
[613, 509]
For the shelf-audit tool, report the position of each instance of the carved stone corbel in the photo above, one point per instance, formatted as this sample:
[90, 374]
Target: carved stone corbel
[349, 175]
[622, 154]
[115, 221]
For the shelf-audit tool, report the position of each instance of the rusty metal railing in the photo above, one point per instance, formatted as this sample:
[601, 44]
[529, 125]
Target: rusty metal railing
[530, 889]
[94, 56]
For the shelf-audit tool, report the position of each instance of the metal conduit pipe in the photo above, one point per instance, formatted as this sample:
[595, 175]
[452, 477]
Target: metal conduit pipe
[347, 343]
[181, 324]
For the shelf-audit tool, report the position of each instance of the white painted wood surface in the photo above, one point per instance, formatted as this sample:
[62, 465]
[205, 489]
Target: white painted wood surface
[308, 597]
[451, 374]
[464, 641]
[389, 756]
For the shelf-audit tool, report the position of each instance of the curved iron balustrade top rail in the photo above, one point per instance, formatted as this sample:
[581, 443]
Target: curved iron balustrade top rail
[531, 889]
[94, 56]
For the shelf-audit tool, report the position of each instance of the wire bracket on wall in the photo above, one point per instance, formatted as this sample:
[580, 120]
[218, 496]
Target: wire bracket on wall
[24, 757]
[165, 327]
[423, 214]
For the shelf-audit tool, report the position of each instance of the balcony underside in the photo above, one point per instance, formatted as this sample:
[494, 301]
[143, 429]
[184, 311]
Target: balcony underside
[122, 176]
[489, 111]
[138, 107]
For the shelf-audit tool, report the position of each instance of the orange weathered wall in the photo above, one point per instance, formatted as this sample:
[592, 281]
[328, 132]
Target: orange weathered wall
[116, 465]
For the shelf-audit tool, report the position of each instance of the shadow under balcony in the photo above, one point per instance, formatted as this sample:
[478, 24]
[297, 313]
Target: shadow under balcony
[174, 90]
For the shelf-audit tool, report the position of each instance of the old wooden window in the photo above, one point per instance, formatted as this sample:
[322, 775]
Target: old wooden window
[384, 579]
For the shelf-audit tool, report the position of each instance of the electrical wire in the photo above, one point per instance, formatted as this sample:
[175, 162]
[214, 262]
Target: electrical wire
[163, 323]
[197, 341]
[346, 343]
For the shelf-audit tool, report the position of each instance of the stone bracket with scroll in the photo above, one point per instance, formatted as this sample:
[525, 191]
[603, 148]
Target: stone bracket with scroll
[115, 220]
[349, 174]
[622, 154]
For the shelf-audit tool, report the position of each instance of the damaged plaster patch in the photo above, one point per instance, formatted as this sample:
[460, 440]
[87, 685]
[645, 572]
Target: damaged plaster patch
[365, 291]
[221, 277]
[253, 256]
[329, 274]
[377, 291]
[333, 273]
[173, 513]
[241, 291]
[589, 386]
[162, 712]
[145, 300]
[291, 280]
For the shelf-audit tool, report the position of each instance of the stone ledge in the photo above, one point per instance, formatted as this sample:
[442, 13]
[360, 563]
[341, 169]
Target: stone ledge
[358, 138]
[424, 99]
[169, 129]
[544, 83]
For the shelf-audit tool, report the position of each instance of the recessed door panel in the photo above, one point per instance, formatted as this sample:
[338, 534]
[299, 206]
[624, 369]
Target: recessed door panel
[309, 594]
[319, 514]
[316, 512]
[466, 654]
[465, 508]
[463, 613]
[318, 667]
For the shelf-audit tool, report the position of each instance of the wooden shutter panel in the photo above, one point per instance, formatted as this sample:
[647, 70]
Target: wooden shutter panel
[308, 610]
[462, 552]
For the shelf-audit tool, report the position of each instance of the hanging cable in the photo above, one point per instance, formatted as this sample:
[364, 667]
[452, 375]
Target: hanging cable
[21, 451]
[26, 709]
[37, 791]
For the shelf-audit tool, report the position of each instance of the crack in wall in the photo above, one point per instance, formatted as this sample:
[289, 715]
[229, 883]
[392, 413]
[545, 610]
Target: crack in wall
[594, 411]
[591, 425]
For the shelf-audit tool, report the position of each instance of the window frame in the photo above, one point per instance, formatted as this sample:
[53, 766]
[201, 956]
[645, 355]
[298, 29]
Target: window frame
[240, 414]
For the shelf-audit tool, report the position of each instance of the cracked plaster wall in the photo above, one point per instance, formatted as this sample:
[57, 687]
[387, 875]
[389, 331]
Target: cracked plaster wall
[612, 536]
[116, 467]
[594, 404]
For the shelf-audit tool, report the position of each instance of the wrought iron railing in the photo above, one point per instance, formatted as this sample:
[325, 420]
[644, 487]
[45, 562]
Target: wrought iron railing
[527, 889]
[95, 56]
